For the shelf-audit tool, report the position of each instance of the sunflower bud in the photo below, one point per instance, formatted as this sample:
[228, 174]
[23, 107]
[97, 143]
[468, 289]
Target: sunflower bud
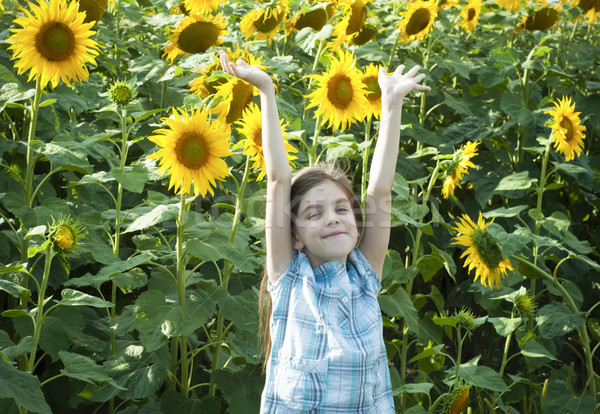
[465, 319]
[525, 304]
[121, 93]
[65, 234]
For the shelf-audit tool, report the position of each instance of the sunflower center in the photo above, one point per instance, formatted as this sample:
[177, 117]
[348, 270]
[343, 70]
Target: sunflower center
[192, 151]
[544, 19]
[64, 237]
[55, 41]
[267, 22]
[418, 21]
[373, 89]
[471, 14]
[198, 37]
[258, 137]
[487, 247]
[241, 98]
[566, 124]
[339, 91]
[364, 35]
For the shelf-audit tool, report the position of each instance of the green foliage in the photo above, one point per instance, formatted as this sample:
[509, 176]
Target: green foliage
[156, 310]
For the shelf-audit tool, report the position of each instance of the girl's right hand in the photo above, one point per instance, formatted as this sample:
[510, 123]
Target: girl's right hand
[242, 70]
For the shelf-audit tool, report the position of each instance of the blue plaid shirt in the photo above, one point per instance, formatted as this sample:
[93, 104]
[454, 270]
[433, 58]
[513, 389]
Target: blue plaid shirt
[327, 354]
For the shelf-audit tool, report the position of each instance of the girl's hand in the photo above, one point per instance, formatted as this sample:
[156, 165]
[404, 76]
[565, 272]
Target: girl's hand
[396, 86]
[242, 70]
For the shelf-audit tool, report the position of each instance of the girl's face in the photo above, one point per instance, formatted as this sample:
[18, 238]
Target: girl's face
[325, 228]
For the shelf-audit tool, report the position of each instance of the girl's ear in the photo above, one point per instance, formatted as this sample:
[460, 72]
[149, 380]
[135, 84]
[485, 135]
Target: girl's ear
[296, 242]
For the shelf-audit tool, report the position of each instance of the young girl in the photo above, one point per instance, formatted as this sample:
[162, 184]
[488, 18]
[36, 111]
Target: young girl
[327, 353]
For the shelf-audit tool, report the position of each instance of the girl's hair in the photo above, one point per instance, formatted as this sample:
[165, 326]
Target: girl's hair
[303, 181]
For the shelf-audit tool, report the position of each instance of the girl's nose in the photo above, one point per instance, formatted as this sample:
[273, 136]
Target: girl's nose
[332, 218]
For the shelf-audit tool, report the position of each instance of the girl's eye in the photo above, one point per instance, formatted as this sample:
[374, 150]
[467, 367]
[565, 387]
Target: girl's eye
[313, 215]
[342, 210]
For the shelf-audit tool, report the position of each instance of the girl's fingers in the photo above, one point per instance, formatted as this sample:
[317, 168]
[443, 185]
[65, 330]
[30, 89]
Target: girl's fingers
[399, 70]
[419, 77]
[412, 72]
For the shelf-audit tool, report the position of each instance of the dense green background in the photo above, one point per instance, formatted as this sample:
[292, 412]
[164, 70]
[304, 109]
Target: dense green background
[114, 326]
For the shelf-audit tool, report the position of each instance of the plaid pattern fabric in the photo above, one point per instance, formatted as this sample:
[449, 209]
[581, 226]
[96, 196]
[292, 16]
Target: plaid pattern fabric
[328, 354]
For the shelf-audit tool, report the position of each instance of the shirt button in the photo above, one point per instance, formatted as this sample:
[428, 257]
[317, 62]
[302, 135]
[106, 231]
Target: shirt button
[339, 265]
[345, 299]
[344, 279]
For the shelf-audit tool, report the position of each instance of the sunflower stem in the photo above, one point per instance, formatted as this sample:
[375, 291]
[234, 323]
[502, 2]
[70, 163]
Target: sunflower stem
[228, 268]
[39, 311]
[582, 331]
[393, 51]
[29, 173]
[312, 155]
[423, 104]
[180, 266]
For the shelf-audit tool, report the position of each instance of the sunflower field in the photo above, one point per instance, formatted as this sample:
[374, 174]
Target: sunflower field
[133, 195]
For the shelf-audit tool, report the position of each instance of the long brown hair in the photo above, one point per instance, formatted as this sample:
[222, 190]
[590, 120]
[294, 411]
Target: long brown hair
[303, 181]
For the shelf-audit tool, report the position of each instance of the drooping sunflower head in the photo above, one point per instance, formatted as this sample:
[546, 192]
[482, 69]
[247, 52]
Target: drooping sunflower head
[316, 17]
[250, 127]
[447, 4]
[353, 17]
[484, 253]
[470, 15]
[66, 234]
[122, 93]
[192, 148]
[567, 131]
[371, 81]
[457, 399]
[54, 43]
[541, 20]
[235, 95]
[455, 170]
[418, 20]
[265, 22]
[200, 6]
[589, 8]
[94, 9]
[509, 4]
[196, 33]
[340, 95]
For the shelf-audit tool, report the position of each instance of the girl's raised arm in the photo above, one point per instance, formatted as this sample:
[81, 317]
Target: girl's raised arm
[278, 232]
[376, 236]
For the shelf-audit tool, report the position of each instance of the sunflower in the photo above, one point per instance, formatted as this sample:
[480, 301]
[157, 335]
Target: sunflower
[94, 9]
[483, 251]
[470, 15]
[195, 34]
[200, 6]
[447, 4]
[509, 4]
[250, 126]
[192, 148]
[354, 16]
[567, 131]
[458, 167]
[461, 398]
[206, 84]
[340, 96]
[315, 18]
[590, 9]
[370, 79]
[54, 43]
[1, 6]
[264, 23]
[418, 20]
[543, 19]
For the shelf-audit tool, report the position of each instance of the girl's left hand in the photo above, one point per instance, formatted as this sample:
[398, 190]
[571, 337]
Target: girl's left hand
[396, 86]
